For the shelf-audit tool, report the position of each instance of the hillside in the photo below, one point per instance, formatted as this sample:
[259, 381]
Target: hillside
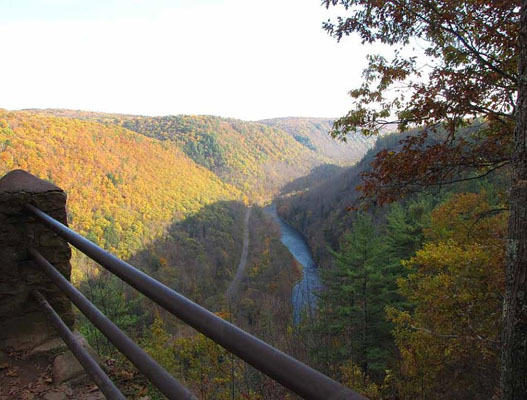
[149, 203]
[320, 212]
[258, 158]
[253, 157]
[407, 279]
[163, 200]
[319, 207]
[124, 189]
[142, 199]
[313, 133]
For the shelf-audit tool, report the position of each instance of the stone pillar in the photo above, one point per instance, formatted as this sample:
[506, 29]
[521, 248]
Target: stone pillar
[23, 325]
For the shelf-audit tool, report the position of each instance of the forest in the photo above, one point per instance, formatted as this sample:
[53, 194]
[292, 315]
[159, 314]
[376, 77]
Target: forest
[413, 290]
[257, 158]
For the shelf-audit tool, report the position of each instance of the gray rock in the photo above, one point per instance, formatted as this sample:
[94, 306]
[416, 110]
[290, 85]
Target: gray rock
[52, 346]
[55, 396]
[66, 367]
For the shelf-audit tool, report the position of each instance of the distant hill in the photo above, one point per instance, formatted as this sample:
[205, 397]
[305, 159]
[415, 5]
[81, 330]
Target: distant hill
[313, 133]
[320, 213]
[123, 188]
[257, 158]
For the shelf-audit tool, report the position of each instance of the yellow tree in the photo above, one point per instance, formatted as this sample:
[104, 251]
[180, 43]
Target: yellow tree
[449, 344]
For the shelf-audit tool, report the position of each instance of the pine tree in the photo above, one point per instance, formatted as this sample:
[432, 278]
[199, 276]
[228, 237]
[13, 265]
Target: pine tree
[352, 307]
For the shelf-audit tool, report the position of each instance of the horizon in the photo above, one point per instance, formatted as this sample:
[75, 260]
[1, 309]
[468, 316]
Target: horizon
[50, 109]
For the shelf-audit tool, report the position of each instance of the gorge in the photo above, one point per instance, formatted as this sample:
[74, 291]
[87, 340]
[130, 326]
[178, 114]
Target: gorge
[305, 292]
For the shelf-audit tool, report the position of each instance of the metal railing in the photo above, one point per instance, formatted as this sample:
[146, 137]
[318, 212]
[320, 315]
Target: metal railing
[291, 373]
[88, 363]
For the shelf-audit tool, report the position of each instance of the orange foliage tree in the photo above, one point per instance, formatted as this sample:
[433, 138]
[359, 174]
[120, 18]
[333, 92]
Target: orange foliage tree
[449, 343]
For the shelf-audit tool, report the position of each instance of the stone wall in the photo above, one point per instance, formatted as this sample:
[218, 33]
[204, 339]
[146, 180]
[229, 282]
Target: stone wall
[22, 324]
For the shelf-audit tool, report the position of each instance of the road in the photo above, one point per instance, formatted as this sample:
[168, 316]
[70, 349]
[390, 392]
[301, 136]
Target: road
[233, 287]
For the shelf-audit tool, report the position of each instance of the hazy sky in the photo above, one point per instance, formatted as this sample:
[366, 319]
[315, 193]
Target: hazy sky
[248, 59]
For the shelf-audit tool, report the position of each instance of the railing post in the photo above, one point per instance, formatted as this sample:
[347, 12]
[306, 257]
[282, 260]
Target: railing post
[23, 324]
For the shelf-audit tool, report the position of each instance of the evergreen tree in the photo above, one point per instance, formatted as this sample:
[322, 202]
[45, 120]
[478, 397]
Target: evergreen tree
[351, 307]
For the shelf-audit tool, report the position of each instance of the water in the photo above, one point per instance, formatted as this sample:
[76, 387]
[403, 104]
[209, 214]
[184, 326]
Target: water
[304, 293]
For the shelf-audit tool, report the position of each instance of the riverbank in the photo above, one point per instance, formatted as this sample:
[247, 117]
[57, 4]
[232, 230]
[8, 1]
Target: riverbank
[304, 295]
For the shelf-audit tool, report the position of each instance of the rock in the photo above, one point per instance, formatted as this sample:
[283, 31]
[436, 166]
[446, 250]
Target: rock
[50, 200]
[4, 359]
[66, 366]
[23, 326]
[84, 343]
[95, 396]
[55, 396]
[53, 346]
[26, 332]
[22, 181]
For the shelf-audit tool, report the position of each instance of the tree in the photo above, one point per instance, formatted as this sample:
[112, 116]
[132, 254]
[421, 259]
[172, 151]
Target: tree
[514, 341]
[352, 307]
[449, 340]
[476, 63]
[466, 72]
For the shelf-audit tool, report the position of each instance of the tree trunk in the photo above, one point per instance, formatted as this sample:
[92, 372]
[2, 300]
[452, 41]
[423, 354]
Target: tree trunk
[514, 340]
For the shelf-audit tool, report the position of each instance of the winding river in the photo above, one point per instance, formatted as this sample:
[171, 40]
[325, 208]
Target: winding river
[304, 292]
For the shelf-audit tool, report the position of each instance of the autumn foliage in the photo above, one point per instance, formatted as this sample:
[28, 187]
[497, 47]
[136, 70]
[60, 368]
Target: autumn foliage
[454, 63]
[449, 344]
[123, 188]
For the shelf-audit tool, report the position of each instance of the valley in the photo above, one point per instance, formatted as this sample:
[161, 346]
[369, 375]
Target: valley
[305, 292]
[182, 199]
[262, 223]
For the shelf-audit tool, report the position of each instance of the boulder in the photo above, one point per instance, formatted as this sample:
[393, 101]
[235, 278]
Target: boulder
[52, 346]
[66, 366]
[55, 396]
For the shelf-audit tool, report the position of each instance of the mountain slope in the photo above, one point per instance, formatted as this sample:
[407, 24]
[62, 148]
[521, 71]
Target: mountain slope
[123, 187]
[258, 158]
[321, 212]
[313, 133]
[253, 157]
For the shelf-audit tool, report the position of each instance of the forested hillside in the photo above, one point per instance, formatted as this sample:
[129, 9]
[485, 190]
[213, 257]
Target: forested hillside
[253, 157]
[123, 189]
[412, 290]
[257, 158]
[321, 212]
[313, 133]
[198, 257]
[386, 248]
[147, 201]
[162, 201]
[422, 248]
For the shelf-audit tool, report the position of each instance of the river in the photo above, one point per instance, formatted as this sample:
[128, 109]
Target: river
[304, 292]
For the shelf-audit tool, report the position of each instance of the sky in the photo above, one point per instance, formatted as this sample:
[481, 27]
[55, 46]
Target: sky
[246, 59]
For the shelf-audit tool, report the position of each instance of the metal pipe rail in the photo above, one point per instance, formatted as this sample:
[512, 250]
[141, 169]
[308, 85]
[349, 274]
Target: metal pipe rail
[166, 383]
[88, 363]
[291, 373]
